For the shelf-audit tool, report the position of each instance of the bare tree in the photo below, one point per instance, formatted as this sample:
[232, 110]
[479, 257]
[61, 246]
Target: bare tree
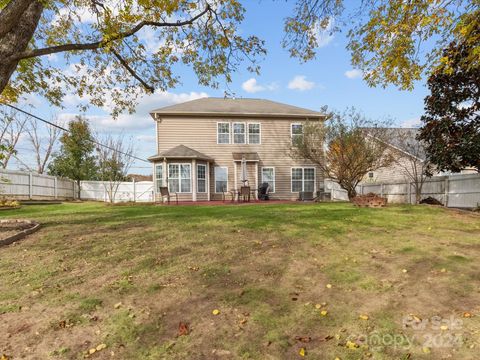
[410, 158]
[342, 149]
[12, 126]
[115, 159]
[42, 144]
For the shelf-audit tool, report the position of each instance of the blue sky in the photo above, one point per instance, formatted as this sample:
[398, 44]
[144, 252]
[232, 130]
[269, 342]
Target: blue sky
[327, 80]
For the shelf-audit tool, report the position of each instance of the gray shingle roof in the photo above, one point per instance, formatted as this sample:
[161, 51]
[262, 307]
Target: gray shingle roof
[181, 152]
[405, 139]
[236, 107]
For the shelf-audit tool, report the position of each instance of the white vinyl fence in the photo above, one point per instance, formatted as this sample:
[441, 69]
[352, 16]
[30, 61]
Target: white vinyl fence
[28, 185]
[460, 190]
[23, 185]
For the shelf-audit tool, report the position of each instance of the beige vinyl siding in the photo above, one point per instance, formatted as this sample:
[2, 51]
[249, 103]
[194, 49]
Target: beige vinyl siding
[201, 134]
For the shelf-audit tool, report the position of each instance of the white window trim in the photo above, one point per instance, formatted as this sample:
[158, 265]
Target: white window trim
[155, 165]
[245, 133]
[205, 166]
[260, 133]
[303, 178]
[274, 177]
[180, 178]
[229, 132]
[215, 178]
[291, 130]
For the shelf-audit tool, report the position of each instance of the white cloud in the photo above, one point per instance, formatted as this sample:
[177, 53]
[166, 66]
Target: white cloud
[140, 119]
[411, 123]
[252, 86]
[324, 35]
[300, 82]
[353, 74]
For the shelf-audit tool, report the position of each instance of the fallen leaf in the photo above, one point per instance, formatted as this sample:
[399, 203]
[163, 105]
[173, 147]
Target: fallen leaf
[101, 347]
[216, 312]
[304, 339]
[337, 358]
[351, 345]
[467, 315]
[117, 305]
[302, 352]
[444, 327]
[426, 350]
[182, 329]
[404, 270]
[324, 312]
[5, 357]
[318, 306]
[92, 351]
[329, 286]
[363, 317]
[443, 270]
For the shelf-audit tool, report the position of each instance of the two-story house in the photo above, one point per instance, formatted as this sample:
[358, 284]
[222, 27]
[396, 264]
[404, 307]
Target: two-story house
[201, 144]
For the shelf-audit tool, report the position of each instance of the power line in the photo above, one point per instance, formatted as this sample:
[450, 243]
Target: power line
[68, 131]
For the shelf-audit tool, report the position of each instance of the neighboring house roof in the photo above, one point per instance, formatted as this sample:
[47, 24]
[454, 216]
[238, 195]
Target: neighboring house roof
[405, 140]
[237, 107]
[140, 177]
[180, 152]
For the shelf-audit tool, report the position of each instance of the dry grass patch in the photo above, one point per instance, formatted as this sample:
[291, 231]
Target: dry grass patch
[126, 276]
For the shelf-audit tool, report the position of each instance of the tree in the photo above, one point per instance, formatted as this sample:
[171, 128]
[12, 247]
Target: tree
[12, 126]
[42, 144]
[114, 161]
[346, 148]
[391, 41]
[409, 156]
[76, 159]
[112, 46]
[451, 124]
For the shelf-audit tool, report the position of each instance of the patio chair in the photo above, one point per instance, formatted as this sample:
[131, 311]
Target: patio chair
[264, 191]
[164, 193]
[226, 192]
[244, 193]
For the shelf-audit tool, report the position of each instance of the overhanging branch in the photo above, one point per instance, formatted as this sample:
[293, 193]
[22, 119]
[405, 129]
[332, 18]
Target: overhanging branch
[132, 72]
[103, 43]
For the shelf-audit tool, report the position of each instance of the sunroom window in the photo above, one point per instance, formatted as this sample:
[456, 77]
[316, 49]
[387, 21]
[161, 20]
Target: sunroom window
[179, 178]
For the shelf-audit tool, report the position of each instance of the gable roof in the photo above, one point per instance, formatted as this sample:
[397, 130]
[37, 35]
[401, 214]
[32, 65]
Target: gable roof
[405, 140]
[236, 108]
[180, 152]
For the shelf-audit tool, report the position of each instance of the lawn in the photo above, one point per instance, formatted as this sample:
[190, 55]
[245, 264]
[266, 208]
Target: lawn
[313, 281]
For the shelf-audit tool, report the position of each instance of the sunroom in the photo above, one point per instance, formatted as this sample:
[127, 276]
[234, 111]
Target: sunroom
[184, 171]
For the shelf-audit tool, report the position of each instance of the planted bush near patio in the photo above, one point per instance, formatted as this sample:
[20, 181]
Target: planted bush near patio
[319, 281]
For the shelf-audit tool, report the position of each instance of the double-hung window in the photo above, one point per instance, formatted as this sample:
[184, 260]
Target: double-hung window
[254, 133]
[296, 133]
[223, 133]
[201, 178]
[158, 176]
[268, 176]
[179, 178]
[303, 179]
[239, 133]
[221, 179]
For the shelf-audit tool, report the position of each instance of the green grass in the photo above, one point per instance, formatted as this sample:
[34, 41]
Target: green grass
[127, 275]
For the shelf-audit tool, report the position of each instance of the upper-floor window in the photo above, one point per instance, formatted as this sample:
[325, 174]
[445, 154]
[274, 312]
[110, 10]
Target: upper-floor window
[223, 133]
[297, 133]
[254, 133]
[239, 133]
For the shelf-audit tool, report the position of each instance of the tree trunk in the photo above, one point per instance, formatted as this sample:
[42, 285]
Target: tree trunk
[16, 34]
[78, 190]
[351, 193]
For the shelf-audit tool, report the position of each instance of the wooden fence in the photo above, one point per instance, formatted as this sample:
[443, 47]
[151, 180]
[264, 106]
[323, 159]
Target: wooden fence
[23, 185]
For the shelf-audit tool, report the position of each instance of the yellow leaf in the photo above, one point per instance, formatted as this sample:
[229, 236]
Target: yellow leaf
[426, 350]
[101, 347]
[92, 351]
[363, 317]
[117, 305]
[337, 358]
[404, 270]
[301, 352]
[318, 306]
[4, 357]
[324, 312]
[467, 315]
[443, 270]
[329, 286]
[444, 327]
[216, 312]
[351, 345]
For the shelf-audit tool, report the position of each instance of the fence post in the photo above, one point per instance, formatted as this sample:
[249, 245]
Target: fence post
[55, 188]
[30, 186]
[134, 190]
[381, 190]
[409, 191]
[446, 192]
